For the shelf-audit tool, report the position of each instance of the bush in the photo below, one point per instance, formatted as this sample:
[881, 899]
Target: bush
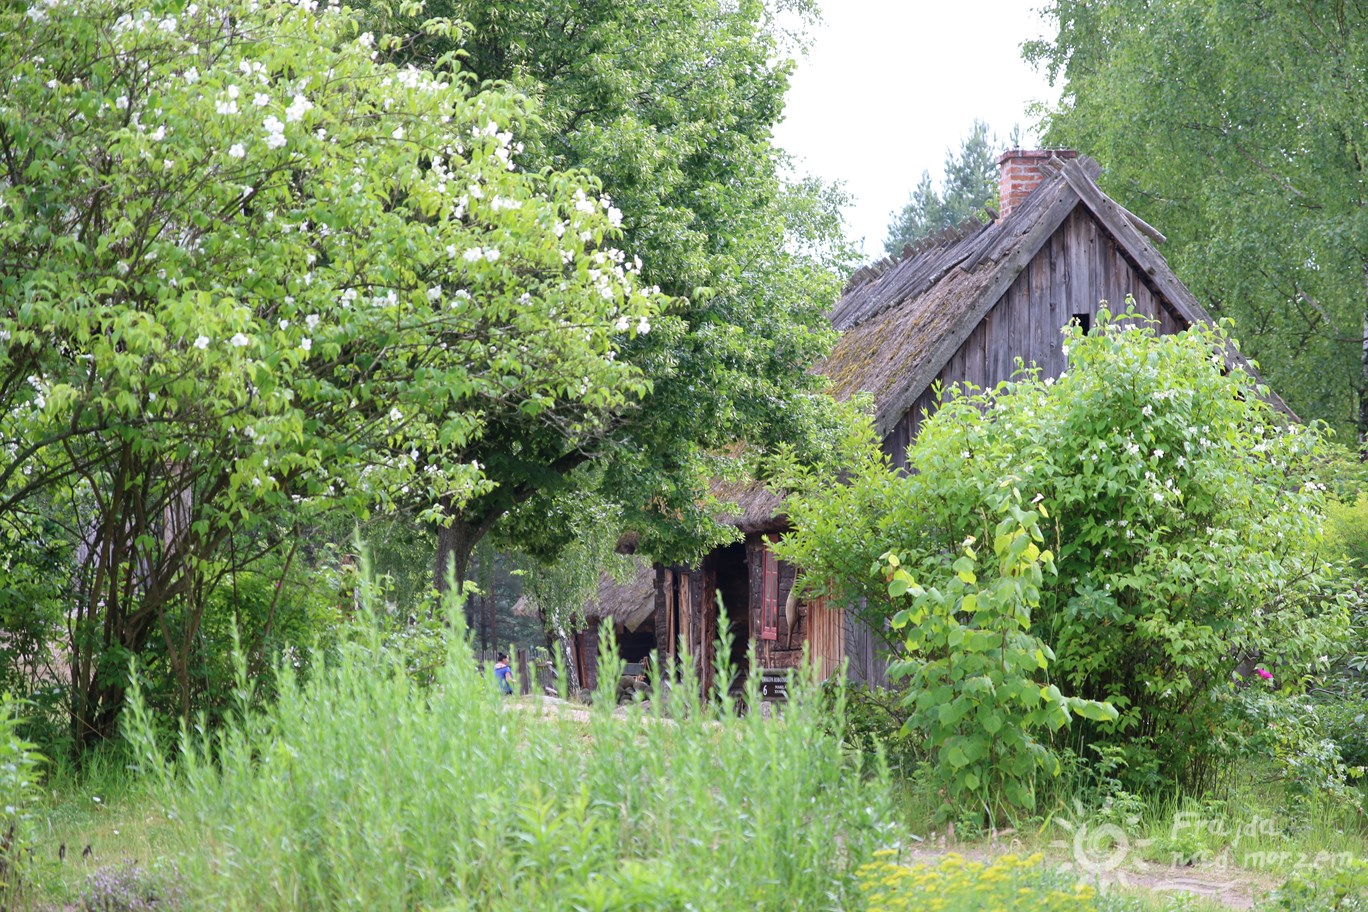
[873, 723]
[362, 789]
[1344, 720]
[975, 670]
[1185, 522]
[1289, 733]
[1341, 889]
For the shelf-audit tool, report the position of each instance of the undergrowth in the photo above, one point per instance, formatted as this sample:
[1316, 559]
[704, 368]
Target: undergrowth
[361, 789]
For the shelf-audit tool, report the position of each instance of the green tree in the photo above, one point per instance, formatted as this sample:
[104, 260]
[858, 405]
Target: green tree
[1184, 518]
[968, 185]
[671, 105]
[1238, 129]
[246, 272]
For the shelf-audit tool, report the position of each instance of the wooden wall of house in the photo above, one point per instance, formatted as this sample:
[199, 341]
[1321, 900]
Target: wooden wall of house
[1080, 266]
[686, 589]
[853, 640]
[866, 662]
[587, 647]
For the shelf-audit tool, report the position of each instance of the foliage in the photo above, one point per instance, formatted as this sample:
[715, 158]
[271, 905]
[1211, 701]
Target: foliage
[1286, 732]
[1344, 720]
[957, 885]
[1185, 525]
[19, 763]
[872, 725]
[672, 105]
[357, 789]
[1347, 530]
[1237, 128]
[248, 268]
[1341, 889]
[968, 185]
[974, 665]
[559, 584]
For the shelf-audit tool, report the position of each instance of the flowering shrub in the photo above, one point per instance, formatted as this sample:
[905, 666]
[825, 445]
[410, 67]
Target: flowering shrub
[957, 885]
[1185, 523]
[251, 269]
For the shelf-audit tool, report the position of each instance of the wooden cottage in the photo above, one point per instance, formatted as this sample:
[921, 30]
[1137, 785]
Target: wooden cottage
[960, 307]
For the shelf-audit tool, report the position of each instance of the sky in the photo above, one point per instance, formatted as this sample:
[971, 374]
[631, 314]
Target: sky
[888, 86]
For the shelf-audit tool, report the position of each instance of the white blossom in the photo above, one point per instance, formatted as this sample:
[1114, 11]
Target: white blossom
[238, 341]
[311, 321]
[306, 344]
[275, 132]
[398, 133]
[201, 342]
[395, 414]
[297, 109]
[236, 150]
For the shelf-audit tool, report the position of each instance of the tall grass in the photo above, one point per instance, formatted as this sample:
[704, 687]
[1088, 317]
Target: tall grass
[358, 789]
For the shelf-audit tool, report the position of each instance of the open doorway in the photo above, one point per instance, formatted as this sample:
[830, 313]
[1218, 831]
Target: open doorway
[733, 585]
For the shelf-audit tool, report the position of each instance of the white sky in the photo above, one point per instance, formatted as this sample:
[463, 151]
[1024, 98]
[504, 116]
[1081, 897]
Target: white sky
[889, 85]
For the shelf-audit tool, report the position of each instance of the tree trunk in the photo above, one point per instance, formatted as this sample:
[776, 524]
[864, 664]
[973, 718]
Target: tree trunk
[455, 546]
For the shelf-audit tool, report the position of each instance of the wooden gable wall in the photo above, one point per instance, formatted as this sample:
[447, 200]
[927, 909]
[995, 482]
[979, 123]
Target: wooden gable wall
[1080, 266]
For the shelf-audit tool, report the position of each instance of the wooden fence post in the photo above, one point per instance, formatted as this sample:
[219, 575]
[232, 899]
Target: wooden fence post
[525, 673]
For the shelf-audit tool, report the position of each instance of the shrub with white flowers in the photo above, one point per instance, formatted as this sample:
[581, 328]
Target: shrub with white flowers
[221, 225]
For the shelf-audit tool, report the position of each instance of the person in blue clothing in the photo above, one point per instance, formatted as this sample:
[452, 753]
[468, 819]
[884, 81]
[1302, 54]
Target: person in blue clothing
[503, 673]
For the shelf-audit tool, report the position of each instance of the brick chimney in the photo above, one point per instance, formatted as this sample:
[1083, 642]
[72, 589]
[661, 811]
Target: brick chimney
[1019, 174]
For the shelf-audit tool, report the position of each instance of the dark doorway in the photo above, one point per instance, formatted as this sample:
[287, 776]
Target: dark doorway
[636, 645]
[733, 585]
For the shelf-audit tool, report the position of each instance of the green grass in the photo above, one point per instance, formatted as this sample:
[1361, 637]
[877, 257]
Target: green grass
[360, 790]
[90, 820]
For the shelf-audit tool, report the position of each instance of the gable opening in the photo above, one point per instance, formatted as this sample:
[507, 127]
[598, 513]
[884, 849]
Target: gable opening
[1084, 320]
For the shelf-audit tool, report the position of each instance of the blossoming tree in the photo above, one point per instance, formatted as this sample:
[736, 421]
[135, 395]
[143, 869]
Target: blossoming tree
[250, 268]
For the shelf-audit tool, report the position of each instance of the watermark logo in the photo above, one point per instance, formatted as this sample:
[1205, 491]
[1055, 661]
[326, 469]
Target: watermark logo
[1099, 846]
[1108, 846]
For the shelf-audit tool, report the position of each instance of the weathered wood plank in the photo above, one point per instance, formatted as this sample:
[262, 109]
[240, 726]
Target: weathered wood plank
[1059, 302]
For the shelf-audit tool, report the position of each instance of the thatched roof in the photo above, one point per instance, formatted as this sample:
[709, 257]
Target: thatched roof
[901, 322]
[757, 507]
[628, 603]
